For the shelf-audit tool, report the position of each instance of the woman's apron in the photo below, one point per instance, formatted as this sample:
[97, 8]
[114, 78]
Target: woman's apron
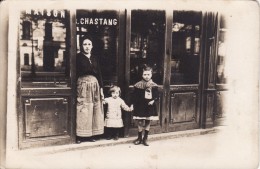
[90, 116]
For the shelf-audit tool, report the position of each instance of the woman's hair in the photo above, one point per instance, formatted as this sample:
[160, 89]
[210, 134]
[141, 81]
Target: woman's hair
[147, 68]
[114, 88]
[84, 38]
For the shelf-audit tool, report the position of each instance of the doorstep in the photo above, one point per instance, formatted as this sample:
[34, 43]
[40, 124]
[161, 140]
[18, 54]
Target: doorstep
[104, 142]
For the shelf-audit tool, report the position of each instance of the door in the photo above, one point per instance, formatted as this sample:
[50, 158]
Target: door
[106, 27]
[221, 75]
[185, 71]
[145, 45]
[175, 45]
[46, 82]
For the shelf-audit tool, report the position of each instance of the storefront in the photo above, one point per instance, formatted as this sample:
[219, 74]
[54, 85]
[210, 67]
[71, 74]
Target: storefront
[186, 49]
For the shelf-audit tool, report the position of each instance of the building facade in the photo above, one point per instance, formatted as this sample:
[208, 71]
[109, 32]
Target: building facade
[186, 48]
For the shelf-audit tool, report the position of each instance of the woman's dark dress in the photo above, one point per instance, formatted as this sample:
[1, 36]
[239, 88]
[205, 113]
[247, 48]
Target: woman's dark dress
[90, 116]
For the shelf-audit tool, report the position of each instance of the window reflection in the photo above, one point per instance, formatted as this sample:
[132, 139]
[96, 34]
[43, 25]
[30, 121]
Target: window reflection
[222, 47]
[147, 43]
[44, 49]
[186, 30]
[103, 26]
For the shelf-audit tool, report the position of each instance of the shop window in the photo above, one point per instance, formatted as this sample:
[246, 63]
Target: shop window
[147, 43]
[186, 30]
[44, 43]
[222, 47]
[102, 26]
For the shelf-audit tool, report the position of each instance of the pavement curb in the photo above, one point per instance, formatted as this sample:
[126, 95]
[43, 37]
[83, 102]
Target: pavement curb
[105, 143]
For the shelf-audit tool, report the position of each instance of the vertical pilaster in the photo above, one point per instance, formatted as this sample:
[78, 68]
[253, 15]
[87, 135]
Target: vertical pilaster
[3, 79]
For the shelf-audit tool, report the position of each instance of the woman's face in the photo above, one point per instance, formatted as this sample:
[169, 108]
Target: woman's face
[87, 46]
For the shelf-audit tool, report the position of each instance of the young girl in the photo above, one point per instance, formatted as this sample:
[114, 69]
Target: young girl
[113, 120]
[145, 95]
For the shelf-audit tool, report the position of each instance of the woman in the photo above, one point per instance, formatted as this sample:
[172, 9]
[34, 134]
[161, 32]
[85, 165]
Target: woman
[90, 116]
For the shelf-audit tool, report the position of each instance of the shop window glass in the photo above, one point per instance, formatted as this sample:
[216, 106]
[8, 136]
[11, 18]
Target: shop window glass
[102, 26]
[222, 47]
[44, 48]
[186, 30]
[147, 43]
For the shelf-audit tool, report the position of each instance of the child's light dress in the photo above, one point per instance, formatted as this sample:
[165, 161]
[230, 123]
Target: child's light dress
[114, 113]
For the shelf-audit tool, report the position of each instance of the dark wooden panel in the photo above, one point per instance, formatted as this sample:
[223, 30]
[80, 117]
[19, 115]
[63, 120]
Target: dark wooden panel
[183, 107]
[209, 108]
[210, 99]
[219, 109]
[45, 117]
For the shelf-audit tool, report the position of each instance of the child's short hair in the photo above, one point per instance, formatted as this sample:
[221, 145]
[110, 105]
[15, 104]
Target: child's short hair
[114, 88]
[147, 68]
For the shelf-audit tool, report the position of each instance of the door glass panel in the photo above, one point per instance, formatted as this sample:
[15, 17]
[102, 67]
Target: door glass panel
[186, 30]
[147, 43]
[222, 48]
[44, 48]
[102, 26]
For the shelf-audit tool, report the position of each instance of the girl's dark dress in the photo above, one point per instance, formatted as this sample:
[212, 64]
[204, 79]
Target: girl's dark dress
[144, 92]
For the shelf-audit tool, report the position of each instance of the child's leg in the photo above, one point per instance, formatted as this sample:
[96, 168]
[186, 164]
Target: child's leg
[109, 133]
[147, 125]
[140, 129]
[146, 131]
[140, 125]
[116, 133]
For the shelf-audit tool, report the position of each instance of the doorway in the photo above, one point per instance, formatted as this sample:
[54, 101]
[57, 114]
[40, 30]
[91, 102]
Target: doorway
[171, 44]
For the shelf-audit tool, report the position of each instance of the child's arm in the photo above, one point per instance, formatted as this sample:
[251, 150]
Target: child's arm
[104, 101]
[155, 95]
[125, 107]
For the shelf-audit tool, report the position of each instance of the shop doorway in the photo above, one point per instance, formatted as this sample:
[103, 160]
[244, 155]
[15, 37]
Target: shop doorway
[172, 44]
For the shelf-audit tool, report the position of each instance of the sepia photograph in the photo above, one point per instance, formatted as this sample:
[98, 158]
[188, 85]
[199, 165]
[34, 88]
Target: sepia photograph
[129, 84]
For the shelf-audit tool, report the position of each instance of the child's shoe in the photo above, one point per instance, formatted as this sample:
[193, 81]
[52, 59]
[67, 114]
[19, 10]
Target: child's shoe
[139, 139]
[116, 138]
[145, 138]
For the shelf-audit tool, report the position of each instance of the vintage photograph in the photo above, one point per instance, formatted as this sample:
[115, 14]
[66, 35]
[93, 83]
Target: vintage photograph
[140, 84]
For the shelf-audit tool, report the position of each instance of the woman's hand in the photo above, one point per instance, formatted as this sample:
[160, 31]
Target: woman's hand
[102, 94]
[151, 102]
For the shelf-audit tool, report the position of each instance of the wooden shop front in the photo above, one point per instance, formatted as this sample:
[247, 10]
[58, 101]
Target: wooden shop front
[185, 48]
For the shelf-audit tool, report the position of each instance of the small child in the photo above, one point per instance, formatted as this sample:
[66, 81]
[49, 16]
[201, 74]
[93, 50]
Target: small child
[145, 94]
[113, 120]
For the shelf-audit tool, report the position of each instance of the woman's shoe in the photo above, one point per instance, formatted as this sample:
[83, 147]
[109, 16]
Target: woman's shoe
[78, 140]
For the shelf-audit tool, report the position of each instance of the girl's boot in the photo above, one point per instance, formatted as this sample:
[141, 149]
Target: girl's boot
[145, 138]
[139, 139]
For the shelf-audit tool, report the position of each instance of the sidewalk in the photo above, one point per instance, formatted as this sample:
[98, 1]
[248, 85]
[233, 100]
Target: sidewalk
[105, 143]
[116, 154]
[194, 149]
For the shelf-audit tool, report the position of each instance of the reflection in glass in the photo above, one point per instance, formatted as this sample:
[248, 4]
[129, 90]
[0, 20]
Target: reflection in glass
[222, 47]
[102, 26]
[147, 43]
[186, 30]
[44, 58]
